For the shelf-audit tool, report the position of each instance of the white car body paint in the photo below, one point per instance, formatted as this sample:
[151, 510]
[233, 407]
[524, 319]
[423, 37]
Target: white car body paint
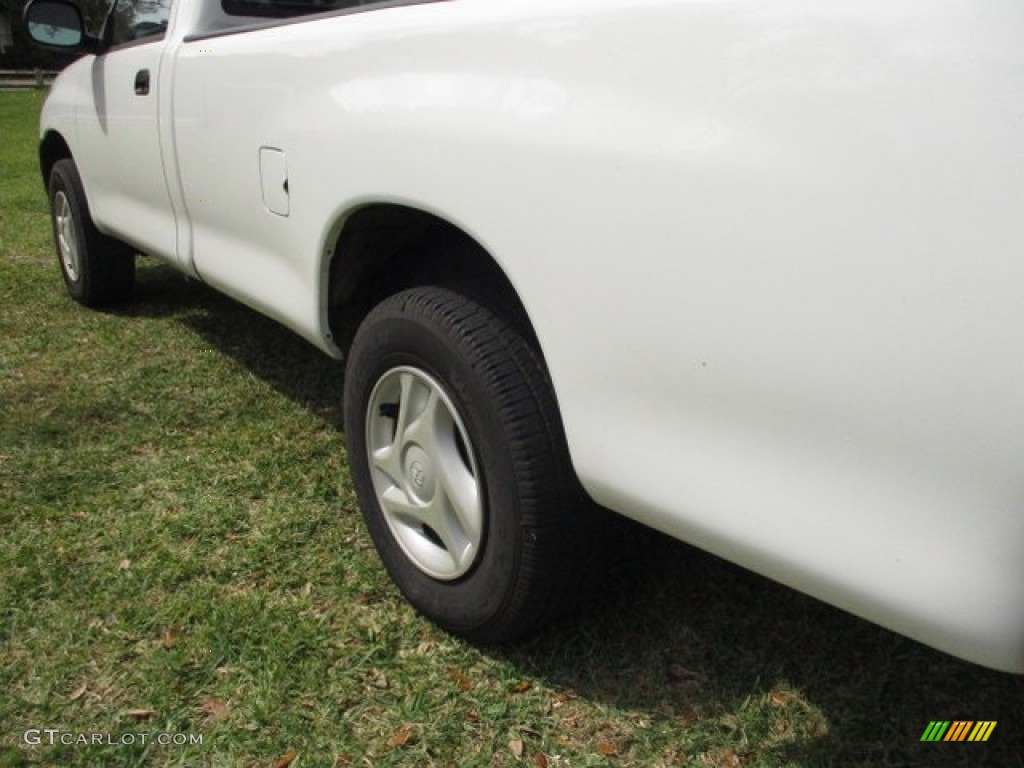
[773, 250]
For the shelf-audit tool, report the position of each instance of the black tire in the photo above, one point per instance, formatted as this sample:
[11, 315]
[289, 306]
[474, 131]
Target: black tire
[499, 428]
[97, 269]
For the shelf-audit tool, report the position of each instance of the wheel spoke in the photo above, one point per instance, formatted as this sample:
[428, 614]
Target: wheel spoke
[461, 492]
[420, 529]
[388, 457]
[423, 430]
[447, 528]
[407, 384]
[397, 503]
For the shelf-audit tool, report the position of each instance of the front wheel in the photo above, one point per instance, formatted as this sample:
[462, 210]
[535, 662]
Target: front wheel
[97, 269]
[460, 464]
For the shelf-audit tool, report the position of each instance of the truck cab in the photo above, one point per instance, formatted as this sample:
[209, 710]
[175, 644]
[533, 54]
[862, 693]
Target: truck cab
[748, 277]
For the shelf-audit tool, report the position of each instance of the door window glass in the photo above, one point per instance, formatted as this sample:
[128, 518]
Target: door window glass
[284, 9]
[139, 19]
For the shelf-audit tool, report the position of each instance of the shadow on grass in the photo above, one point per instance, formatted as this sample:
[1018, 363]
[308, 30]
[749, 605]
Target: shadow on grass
[265, 348]
[682, 635]
[675, 634]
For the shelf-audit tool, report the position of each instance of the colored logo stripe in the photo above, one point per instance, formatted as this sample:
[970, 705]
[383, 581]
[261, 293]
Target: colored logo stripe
[935, 731]
[982, 731]
[958, 730]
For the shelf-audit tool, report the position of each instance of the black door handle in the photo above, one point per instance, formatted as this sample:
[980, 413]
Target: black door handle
[142, 82]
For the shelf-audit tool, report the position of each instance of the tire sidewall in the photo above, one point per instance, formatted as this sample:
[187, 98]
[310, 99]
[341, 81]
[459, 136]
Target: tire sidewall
[469, 603]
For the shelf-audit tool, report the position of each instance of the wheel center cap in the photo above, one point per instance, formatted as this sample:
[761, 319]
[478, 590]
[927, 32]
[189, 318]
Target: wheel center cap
[419, 469]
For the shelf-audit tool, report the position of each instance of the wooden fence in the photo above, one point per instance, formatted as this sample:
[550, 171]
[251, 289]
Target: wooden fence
[16, 80]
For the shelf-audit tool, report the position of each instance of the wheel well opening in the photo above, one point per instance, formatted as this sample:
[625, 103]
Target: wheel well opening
[384, 249]
[51, 149]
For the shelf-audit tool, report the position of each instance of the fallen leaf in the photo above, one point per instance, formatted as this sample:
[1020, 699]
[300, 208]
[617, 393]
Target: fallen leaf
[521, 687]
[540, 760]
[677, 673]
[464, 683]
[286, 759]
[124, 565]
[214, 708]
[724, 758]
[571, 722]
[516, 745]
[607, 749]
[170, 638]
[140, 714]
[378, 679]
[731, 722]
[401, 736]
[77, 693]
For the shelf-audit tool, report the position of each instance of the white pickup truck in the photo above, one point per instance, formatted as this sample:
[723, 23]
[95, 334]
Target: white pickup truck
[749, 272]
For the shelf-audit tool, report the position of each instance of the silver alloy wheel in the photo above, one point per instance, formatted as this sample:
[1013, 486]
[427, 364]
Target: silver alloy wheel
[67, 237]
[425, 473]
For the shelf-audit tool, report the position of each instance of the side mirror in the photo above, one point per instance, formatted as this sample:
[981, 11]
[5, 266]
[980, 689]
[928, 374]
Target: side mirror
[55, 24]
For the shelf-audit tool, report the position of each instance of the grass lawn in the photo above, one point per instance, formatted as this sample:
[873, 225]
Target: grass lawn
[182, 554]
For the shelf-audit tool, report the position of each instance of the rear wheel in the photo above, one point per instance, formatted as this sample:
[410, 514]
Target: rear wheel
[460, 464]
[97, 269]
